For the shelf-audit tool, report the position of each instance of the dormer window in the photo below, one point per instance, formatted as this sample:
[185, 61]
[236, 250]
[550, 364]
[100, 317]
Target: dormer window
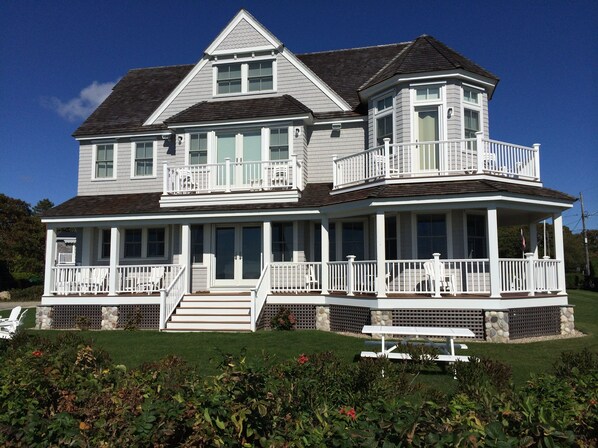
[249, 76]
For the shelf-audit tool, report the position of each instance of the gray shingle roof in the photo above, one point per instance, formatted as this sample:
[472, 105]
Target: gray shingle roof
[240, 109]
[141, 91]
[314, 196]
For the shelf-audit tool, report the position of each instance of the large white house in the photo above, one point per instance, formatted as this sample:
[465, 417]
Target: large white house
[353, 187]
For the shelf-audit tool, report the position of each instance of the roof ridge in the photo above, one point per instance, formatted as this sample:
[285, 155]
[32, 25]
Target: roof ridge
[433, 42]
[160, 66]
[408, 46]
[351, 49]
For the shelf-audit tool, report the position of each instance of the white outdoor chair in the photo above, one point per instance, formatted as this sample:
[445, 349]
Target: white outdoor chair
[153, 282]
[8, 327]
[186, 181]
[97, 280]
[447, 282]
[311, 281]
[279, 176]
[13, 314]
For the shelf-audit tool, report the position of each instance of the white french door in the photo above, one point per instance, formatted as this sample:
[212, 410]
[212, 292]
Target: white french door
[238, 254]
[427, 124]
[244, 150]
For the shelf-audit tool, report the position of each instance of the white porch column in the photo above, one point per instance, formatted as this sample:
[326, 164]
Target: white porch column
[533, 239]
[114, 255]
[186, 254]
[381, 253]
[492, 224]
[50, 260]
[267, 242]
[325, 252]
[559, 249]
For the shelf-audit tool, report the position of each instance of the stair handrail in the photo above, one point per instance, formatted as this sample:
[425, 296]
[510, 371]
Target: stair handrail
[259, 295]
[171, 296]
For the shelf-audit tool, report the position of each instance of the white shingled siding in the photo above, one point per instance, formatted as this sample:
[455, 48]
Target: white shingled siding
[485, 114]
[243, 36]
[124, 183]
[322, 145]
[371, 136]
[403, 114]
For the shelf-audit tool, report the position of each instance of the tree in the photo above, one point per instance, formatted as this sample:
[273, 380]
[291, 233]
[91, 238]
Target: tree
[22, 241]
[42, 206]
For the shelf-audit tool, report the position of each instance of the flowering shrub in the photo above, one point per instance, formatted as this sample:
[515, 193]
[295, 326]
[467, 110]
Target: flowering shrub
[66, 392]
[283, 320]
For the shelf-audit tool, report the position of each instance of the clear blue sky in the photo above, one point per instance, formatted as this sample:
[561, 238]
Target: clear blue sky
[545, 53]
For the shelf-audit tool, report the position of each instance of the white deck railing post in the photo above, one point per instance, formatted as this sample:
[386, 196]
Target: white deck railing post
[537, 160]
[334, 170]
[437, 278]
[350, 274]
[114, 254]
[480, 150]
[380, 282]
[325, 253]
[294, 171]
[227, 174]
[529, 257]
[164, 178]
[387, 157]
[162, 309]
[49, 283]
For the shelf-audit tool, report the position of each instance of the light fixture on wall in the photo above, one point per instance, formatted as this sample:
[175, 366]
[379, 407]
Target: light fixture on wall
[449, 112]
[336, 127]
[297, 132]
[179, 140]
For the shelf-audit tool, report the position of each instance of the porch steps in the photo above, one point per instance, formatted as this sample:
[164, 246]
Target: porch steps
[212, 313]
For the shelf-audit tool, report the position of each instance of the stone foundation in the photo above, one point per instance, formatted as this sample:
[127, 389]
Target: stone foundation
[109, 317]
[323, 318]
[567, 320]
[497, 326]
[381, 317]
[44, 317]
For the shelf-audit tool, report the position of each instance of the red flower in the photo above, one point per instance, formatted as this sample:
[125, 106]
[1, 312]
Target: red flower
[352, 414]
[302, 359]
[37, 353]
[349, 412]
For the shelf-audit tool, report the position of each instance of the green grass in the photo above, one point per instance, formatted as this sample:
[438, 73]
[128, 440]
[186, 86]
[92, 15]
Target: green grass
[205, 350]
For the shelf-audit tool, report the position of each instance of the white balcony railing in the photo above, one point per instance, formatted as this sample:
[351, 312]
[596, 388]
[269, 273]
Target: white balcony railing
[438, 158]
[233, 176]
[295, 277]
[80, 280]
[147, 278]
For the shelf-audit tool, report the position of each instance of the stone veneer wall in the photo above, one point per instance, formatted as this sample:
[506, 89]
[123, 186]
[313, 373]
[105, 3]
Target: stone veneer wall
[323, 318]
[496, 325]
[567, 320]
[44, 317]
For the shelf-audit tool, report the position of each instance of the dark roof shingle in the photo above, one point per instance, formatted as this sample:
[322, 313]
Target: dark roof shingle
[313, 196]
[240, 109]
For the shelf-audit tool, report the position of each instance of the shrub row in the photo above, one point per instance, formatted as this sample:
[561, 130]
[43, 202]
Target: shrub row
[65, 392]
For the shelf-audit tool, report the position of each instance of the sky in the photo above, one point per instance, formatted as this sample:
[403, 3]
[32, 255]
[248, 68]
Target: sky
[59, 59]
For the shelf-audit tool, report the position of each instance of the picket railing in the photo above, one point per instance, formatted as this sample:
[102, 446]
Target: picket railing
[80, 280]
[148, 278]
[233, 176]
[546, 277]
[296, 277]
[438, 158]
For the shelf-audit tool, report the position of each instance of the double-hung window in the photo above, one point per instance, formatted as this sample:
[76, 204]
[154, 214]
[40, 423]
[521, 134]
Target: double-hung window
[105, 244]
[282, 241]
[133, 242]
[245, 77]
[471, 111]
[384, 120]
[197, 243]
[156, 242]
[279, 144]
[229, 79]
[143, 163]
[198, 149]
[476, 236]
[104, 161]
[145, 243]
[259, 76]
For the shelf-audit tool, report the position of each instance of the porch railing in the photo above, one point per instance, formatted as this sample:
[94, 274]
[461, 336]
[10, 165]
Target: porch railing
[171, 295]
[149, 278]
[233, 176]
[80, 280]
[438, 158]
[296, 277]
[530, 275]
[259, 295]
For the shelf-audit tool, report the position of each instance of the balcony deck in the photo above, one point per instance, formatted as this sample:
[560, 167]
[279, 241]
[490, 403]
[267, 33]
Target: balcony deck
[450, 158]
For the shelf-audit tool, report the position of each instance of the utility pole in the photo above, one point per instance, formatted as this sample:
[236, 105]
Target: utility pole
[585, 237]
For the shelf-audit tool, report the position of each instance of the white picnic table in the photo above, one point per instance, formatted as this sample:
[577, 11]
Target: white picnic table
[408, 334]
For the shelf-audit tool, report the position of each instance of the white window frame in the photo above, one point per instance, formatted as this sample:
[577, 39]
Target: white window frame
[154, 159]
[449, 232]
[378, 114]
[94, 153]
[472, 106]
[144, 242]
[244, 62]
[188, 145]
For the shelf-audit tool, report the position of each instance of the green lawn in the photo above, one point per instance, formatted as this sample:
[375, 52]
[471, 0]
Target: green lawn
[205, 350]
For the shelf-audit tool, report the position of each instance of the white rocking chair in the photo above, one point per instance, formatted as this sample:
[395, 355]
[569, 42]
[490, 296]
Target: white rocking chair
[8, 327]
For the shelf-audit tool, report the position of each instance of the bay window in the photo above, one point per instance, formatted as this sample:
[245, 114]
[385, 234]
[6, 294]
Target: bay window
[384, 120]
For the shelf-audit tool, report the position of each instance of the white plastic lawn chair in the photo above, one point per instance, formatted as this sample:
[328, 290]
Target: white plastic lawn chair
[8, 327]
[154, 281]
[14, 314]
